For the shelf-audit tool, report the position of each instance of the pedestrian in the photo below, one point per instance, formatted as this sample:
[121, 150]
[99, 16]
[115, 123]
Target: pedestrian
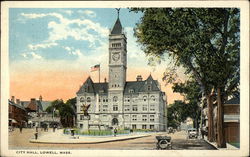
[36, 128]
[21, 129]
[54, 128]
[202, 133]
[115, 131]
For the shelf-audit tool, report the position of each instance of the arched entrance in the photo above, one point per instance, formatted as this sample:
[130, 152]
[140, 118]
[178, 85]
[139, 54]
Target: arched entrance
[114, 121]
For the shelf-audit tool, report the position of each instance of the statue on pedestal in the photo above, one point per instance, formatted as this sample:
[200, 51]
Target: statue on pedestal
[85, 108]
[86, 117]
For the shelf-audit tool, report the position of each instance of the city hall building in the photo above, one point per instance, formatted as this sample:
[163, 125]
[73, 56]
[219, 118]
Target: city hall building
[118, 103]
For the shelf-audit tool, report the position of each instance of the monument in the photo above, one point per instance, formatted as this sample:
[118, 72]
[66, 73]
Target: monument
[86, 117]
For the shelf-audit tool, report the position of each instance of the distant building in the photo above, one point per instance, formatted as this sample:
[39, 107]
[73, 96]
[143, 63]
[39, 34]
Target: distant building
[17, 114]
[30, 113]
[119, 103]
[231, 119]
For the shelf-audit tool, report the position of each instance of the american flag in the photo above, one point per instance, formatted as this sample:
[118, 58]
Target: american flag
[95, 68]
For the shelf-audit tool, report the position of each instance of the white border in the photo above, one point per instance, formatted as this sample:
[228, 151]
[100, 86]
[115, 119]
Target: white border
[244, 101]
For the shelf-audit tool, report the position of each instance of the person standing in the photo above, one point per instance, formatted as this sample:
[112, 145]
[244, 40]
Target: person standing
[21, 128]
[115, 132]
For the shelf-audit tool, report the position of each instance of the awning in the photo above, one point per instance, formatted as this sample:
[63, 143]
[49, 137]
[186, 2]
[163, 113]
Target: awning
[12, 120]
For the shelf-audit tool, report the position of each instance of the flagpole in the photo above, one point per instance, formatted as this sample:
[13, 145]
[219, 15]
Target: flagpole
[99, 71]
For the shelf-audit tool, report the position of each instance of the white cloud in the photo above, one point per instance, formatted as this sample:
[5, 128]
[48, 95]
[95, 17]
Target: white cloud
[67, 48]
[89, 13]
[69, 12]
[76, 52]
[32, 55]
[36, 56]
[79, 29]
[33, 16]
[43, 45]
[24, 55]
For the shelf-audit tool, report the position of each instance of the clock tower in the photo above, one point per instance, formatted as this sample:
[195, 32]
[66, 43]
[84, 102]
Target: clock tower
[117, 72]
[117, 57]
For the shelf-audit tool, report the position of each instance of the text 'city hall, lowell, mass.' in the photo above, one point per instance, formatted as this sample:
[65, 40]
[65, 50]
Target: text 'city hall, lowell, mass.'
[119, 103]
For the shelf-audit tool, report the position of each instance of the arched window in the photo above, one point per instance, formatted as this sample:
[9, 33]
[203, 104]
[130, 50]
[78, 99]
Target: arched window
[88, 99]
[149, 87]
[144, 98]
[152, 98]
[82, 99]
[115, 98]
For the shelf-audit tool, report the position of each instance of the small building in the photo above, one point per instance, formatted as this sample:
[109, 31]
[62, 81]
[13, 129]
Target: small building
[232, 120]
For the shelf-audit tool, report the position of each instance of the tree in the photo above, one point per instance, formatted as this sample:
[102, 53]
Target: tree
[192, 95]
[66, 111]
[202, 40]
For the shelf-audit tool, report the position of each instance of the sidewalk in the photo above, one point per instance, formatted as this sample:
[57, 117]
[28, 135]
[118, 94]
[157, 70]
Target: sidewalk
[229, 146]
[59, 138]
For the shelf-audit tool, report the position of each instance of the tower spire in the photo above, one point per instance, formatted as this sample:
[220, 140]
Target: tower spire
[118, 12]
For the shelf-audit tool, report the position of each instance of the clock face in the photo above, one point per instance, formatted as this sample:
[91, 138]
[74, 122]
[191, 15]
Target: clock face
[116, 56]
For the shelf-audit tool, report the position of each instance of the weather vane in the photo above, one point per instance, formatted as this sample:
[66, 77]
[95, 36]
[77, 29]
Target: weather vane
[118, 11]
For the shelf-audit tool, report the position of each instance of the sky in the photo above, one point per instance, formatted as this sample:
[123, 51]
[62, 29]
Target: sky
[51, 51]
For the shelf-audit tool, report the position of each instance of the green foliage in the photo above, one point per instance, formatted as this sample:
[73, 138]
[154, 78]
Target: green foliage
[96, 132]
[64, 110]
[205, 41]
[179, 111]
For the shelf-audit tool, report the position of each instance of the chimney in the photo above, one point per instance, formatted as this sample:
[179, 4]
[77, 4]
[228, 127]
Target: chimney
[33, 100]
[138, 78]
[13, 99]
[18, 102]
[105, 80]
[40, 98]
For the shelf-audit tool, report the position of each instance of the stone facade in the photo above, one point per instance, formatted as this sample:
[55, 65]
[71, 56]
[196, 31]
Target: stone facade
[118, 103]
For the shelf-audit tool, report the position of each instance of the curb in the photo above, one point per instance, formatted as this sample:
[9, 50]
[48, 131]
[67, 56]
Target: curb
[212, 144]
[75, 142]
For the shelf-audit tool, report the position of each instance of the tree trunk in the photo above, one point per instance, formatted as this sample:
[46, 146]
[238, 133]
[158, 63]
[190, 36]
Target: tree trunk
[221, 143]
[210, 118]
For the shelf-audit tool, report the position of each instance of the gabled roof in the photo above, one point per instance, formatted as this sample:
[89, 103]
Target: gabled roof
[16, 105]
[234, 100]
[117, 29]
[149, 83]
[45, 104]
[137, 86]
[133, 85]
[32, 106]
[88, 86]
[101, 87]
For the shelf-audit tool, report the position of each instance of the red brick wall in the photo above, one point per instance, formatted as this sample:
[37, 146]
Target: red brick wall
[18, 114]
[232, 109]
[232, 131]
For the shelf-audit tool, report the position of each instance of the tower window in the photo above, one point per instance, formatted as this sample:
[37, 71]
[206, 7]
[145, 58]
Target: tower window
[145, 98]
[149, 87]
[116, 45]
[115, 108]
[88, 99]
[153, 98]
[115, 98]
[81, 99]
[131, 91]
[134, 108]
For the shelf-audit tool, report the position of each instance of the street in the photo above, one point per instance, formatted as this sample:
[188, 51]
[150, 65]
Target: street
[19, 140]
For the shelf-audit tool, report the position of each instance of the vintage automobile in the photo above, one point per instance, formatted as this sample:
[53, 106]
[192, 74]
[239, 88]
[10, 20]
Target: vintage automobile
[171, 130]
[163, 142]
[192, 133]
